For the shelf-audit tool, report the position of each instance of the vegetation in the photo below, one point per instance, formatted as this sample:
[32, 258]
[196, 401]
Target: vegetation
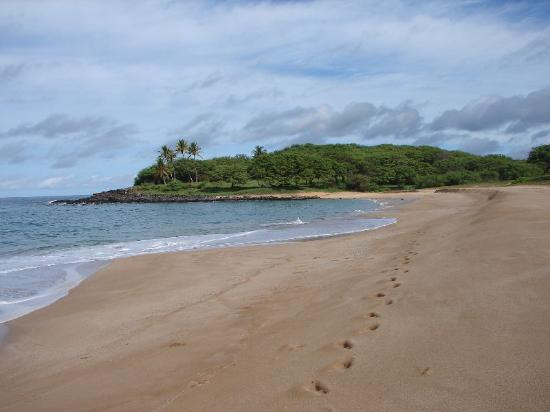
[333, 167]
[541, 156]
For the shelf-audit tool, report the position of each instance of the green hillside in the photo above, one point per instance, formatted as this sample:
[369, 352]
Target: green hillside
[332, 167]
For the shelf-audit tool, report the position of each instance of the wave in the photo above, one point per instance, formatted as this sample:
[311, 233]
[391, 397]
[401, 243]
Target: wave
[32, 281]
[298, 221]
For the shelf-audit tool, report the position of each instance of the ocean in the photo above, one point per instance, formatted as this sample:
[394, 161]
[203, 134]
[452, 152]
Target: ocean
[46, 249]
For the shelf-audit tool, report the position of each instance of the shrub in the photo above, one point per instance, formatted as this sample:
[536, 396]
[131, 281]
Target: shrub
[362, 183]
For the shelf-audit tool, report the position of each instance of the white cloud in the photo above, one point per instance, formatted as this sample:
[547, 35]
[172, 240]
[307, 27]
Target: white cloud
[52, 182]
[516, 114]
[157, 65]
[317, 124]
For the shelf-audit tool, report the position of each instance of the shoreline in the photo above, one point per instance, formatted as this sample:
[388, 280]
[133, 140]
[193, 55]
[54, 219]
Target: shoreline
[131, 196]
[456, 286]
[78, 271]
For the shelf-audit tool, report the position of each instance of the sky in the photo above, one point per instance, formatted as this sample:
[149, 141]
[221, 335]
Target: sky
[89, 90]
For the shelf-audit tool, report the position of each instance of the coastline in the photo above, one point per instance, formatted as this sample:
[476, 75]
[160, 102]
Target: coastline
[79, 263]
[131, 196]
[207, 325]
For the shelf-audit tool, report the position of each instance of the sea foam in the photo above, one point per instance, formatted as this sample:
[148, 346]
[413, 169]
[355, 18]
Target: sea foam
[33, 275]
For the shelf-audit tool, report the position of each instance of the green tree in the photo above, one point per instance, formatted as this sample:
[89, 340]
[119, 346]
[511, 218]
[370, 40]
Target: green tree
[195, 150]
[258, 151]
[168, 156]
[182, 146]
[348, 165]
[540, 156]
[234, 174]
[146, 175]
[161, 170]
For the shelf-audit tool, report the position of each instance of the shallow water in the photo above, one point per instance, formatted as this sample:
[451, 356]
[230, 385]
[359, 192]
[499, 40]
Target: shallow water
[47, 249]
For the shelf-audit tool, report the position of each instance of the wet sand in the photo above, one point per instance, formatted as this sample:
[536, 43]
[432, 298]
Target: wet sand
[449, 309]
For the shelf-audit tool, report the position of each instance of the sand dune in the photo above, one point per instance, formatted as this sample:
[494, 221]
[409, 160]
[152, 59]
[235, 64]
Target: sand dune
[447, 310]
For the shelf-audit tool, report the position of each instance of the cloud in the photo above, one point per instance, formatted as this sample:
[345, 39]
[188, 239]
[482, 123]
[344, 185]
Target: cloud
[514, 114]
[460, 141]
[14, 182]
[234, 100]
[10, 72]
[204, 128]
[51, 182]
[14, 152]
[59, 125]
[280, 72]
[74, 138]
[362, 119]
[535, 52]
[208, 81]
[481, 146]
[540, 135]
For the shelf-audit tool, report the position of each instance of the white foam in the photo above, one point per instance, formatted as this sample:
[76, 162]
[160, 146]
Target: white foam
[33, 281]
[298, 221]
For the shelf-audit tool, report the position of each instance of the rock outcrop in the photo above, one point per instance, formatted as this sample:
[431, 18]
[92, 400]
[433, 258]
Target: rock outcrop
[134, 196]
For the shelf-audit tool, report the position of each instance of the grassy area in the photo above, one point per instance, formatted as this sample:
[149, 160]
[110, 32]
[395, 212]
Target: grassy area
[537, 180]
[215, 189]
[251, 187]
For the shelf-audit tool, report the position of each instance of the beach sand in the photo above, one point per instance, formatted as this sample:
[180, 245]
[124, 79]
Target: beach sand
[447, 310]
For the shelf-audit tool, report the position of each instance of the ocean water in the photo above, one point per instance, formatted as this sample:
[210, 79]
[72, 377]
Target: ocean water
[47, 249]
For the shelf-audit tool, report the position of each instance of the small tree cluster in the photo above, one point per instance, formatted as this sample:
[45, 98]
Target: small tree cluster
[164, 168]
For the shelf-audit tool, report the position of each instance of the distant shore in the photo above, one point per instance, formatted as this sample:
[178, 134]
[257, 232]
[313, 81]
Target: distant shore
[445, 310]
[131, 195]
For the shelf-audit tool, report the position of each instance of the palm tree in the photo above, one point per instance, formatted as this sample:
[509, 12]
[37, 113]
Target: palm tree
[168, 155]
[195, 150]
[258, 151]
[161, 171]
[182, 146]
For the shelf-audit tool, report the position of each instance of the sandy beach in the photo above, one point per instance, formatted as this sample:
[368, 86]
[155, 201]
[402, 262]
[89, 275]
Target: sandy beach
[447, 310]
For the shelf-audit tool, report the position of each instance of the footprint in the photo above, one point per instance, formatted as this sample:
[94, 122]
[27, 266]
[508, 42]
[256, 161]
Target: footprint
[396, 285]
[347, 344]
[177, 344]
[199, 382]
[389, 301]
[407, 271]
[380, 295]
[317, 387]
[374, 327]
[347, 364]
[290, 347]
[367, 329]
[393, 278]
[374, 315]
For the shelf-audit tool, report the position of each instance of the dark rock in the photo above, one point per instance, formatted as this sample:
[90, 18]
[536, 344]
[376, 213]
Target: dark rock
[133, 196]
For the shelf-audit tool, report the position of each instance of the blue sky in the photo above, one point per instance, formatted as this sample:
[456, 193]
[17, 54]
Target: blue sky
[90, 89]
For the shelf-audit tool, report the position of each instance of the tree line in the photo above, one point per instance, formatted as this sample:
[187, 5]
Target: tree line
[349, 166]
[165, 167]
